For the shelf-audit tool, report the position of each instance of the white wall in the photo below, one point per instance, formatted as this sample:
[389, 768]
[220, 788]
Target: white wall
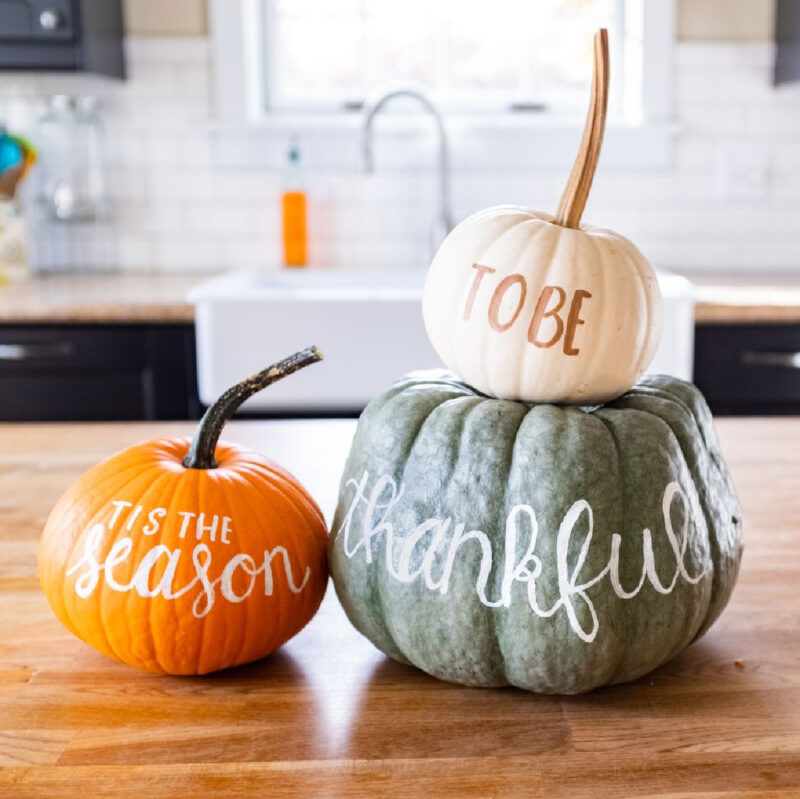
[730, 197]
[724, 20]
[170, 18]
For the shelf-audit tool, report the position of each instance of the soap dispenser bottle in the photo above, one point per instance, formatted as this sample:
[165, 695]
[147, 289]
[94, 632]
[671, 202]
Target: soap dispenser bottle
[293, 207]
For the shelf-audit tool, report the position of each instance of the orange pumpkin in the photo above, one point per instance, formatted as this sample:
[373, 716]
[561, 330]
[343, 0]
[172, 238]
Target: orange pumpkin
[185, 557]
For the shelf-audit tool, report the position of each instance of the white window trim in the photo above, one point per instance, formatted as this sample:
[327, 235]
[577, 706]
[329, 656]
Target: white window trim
[239, 90]
[470, 103]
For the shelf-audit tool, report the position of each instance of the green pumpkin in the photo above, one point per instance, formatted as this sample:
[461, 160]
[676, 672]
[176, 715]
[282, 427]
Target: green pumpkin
[557, 549]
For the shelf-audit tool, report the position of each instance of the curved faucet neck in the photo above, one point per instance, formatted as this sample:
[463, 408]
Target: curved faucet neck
[444, 218]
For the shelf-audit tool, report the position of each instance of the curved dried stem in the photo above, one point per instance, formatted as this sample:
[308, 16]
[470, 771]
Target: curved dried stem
[204, 442]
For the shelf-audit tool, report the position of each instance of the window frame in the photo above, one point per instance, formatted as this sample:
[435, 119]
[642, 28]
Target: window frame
[242, 66]
[470, 103]
[536, 140]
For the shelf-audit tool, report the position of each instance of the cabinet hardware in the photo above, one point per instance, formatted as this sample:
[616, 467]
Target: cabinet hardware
[31, 352]
[50, 19]
[787, 360]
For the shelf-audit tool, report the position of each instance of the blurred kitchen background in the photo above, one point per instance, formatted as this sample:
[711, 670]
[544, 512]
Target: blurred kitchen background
[146, 240]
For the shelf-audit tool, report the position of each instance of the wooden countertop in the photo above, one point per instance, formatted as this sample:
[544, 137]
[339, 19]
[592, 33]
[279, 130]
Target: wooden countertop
[115, 298]
[160, 297]
[329, 715]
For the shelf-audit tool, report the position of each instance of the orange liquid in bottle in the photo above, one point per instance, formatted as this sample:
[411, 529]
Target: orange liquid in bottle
[294, 228]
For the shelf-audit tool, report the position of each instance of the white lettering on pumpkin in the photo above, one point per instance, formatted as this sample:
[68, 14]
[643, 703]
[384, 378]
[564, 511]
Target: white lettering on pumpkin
[431, 535]
[154, 519]
[155, 573]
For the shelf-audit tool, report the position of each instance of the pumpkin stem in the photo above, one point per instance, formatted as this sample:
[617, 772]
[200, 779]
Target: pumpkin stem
[204, 442]
[576, 192]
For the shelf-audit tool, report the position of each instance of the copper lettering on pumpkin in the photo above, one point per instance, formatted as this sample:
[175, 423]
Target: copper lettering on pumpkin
[544, 312]
[497, 298]
[481, 270]
[549, 306]
[573, 320]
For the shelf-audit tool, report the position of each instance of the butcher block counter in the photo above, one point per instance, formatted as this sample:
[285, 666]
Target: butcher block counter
[328, 715]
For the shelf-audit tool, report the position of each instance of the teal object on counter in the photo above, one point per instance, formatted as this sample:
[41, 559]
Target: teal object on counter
[557, 549]
[11, 152]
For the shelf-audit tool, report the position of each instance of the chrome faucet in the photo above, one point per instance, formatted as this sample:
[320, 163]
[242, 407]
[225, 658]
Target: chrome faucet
[443, 223]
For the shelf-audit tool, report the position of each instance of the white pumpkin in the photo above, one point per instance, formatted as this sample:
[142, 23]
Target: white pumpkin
[528, 306]
[523, 308]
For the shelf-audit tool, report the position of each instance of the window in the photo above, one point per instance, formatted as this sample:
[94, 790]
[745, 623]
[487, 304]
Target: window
[307, 65]
[469, 55]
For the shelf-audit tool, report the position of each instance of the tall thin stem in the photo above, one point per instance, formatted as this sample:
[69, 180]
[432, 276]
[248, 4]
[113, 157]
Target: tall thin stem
[576, 192]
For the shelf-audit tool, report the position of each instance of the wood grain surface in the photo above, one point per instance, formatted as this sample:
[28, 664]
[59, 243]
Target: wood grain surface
[328, 715]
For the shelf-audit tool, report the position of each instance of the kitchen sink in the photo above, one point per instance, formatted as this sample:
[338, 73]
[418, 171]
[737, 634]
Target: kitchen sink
[368, 324]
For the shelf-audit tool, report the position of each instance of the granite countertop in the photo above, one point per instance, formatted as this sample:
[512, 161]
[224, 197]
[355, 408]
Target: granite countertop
[329, 715]
[112, 298]
[150, 297]
[731, 299]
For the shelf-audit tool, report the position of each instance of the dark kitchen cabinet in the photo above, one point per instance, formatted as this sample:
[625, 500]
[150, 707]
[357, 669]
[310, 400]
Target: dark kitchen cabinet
[58, 35]
[749, 369]
[787, 41]
[97, 372]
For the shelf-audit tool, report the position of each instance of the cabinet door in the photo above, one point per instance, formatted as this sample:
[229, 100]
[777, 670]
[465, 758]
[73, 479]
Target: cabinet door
[749, 369]
[97, 373]
[172, 372]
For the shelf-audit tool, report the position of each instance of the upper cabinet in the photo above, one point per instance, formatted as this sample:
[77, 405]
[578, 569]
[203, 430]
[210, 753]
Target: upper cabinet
[64, 35]
[787, 37]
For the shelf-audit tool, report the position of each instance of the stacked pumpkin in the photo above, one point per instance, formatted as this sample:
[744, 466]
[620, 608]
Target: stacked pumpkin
[533, 518]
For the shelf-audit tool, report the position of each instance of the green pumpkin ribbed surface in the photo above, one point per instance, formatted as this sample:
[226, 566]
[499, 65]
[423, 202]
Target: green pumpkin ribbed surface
[442, 472]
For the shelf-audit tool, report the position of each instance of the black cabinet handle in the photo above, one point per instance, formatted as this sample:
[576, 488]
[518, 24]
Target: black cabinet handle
[33, 352]
[786, 360]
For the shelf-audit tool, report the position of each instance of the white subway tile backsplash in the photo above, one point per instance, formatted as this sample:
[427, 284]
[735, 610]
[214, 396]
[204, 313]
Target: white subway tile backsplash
[695, 87]
[163, 114]
[776, 252]
[247, 187]
[769, 219]
[162, 149]
[693, 152]
[638, 188]
[187, 185]
[192, 81]
[135, 251]
[164, 217]
[221, 220]
[700, 56]
[715, 119]
[786, 153]
[696, 187]
[128, 183]
[710, 252]
[249, 252]
[149, 79]
[785, 188]
[194, 152]
[780, 121]
[186, 252]
[726, 192]
[166, 50]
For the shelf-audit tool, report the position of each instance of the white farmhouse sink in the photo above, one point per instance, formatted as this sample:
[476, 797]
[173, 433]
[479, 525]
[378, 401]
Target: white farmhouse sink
[367, 323]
